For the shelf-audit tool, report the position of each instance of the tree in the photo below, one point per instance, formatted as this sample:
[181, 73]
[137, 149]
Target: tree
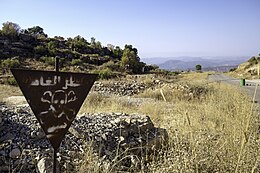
[10, 29]
[118, 52]
[130, 60]
[198, 67]
[52, 47]
[92, 41]
[98, 45]
[36, 31]
[77, 43]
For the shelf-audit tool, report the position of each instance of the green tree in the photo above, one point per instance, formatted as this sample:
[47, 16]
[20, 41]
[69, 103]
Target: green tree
[52, 47]
[98, 45]
[130, 60]
[118, 52]
[36, 31]
[10, 29]
[198, 67]
[92, 41]
[40, 49]
[77, 43]
[10, 63]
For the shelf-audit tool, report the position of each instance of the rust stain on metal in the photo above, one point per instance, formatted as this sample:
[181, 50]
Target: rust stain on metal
[55, 98]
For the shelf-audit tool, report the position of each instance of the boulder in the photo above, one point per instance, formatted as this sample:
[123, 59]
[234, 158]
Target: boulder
[15, 153]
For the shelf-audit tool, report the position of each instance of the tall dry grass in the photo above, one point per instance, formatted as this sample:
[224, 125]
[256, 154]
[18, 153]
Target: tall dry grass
[8, 90]
[214, 131]
[217, 131]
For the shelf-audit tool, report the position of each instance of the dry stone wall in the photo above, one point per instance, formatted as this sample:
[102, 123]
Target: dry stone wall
[24, 148]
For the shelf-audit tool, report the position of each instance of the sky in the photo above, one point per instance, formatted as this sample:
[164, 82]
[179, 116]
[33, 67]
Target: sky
[157, 28]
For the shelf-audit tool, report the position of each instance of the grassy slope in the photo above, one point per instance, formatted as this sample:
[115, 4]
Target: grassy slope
[216, 133]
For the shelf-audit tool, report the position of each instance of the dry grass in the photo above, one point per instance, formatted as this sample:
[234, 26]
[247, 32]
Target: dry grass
[7, 91]
[218, 132]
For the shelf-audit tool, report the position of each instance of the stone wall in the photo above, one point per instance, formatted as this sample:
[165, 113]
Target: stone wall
[24, 148]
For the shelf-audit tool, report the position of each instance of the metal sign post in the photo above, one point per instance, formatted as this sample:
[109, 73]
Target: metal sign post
[57, 64]
[55, 99]
[55, 150]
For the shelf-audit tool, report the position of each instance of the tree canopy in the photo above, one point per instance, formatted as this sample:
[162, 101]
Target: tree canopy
[10, 29]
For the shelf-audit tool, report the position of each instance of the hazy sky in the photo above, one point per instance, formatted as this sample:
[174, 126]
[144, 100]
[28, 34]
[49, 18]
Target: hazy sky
[155, 27]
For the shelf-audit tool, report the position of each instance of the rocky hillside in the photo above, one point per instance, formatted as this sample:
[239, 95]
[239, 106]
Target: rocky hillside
[32, 48]
[249, 69]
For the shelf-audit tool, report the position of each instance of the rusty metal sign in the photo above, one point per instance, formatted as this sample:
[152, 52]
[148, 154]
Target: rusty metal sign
[55, 98]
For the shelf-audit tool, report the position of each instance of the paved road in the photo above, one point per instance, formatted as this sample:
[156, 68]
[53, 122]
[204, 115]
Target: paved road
[250, 84]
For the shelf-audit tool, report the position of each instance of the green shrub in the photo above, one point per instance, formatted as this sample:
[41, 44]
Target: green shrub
[11, 81]
[76, 62]
[110, 65]
[10, 63]
[48, 60]
[40, 50]
[105, 73]
[232, 69]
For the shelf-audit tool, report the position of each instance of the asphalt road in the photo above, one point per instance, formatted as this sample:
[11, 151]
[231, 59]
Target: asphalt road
[249, 88]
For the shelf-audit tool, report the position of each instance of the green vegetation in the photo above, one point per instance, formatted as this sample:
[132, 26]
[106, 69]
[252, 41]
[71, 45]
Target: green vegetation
[34, 43]
[10, 30]
[105, 73]
[130, 60]
[48, 60]
[198, 67]
[9, 63]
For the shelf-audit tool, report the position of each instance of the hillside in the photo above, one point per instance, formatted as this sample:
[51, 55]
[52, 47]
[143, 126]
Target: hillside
[248, 69]
[32, 48]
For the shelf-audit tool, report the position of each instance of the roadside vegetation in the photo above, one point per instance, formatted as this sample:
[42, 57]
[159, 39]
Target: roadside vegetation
[215, 131]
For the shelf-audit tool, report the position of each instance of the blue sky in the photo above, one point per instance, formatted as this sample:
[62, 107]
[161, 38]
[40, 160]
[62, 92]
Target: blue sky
[157, 28]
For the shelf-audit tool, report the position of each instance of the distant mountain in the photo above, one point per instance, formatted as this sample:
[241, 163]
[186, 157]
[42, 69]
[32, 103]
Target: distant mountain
[189, 63]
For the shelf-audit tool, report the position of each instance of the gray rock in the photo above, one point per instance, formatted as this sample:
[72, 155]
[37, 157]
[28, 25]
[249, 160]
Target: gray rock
[15, 153]
[109, 133]
[40, 134]
[7, 137]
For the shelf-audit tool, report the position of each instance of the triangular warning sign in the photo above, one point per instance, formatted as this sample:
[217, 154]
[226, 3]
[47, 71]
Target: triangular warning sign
[55, 98]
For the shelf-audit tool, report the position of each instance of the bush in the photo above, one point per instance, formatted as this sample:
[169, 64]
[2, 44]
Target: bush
[76, 62]
[105, 73]
[198, 67]
[232, 69]
[48, 60]
[10, 63]
[40, 50]
[11, 81]
[110, 65]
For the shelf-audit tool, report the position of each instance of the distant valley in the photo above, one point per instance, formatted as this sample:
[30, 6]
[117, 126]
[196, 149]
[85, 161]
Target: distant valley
[189, 63]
